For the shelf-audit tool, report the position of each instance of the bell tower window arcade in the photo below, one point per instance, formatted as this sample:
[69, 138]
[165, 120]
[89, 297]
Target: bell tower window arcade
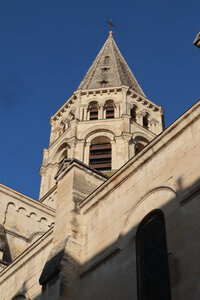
[100, 154]
[93, 111]
[110, 109]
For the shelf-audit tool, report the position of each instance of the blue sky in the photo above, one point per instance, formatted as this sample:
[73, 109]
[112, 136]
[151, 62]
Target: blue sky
[47, 47]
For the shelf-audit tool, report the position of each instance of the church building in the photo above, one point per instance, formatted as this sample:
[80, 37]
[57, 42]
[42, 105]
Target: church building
[118, 216]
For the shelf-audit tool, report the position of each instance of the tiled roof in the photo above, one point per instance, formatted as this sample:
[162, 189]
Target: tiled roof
[109, 69]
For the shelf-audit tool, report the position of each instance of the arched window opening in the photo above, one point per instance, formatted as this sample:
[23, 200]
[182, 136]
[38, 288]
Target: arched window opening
[101, 154]
[146, 121]
[133, 115]
[94, 113]
[93, 109]
[138, 147]
[62, 152]
[152, 258]
[110, 112]
[64, 155]
[110, 109]
[140, 143]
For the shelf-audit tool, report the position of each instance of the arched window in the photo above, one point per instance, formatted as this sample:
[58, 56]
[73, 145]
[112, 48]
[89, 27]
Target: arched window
[152, 258]
[110, 109]
[138, 147]
[140, 143]
[62, 152]
[93, 109]
[100, 154]
[146, 121]
[94, 113]
[133, 114]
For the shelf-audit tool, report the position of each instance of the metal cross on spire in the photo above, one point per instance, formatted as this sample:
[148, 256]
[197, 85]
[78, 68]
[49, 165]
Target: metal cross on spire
[111, 25]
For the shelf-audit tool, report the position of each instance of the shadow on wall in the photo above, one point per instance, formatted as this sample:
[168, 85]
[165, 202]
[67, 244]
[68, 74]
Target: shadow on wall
[118, 272]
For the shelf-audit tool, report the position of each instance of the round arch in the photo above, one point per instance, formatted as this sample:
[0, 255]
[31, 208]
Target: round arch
[162, 197]
[98, 128]
[141, 136]
[59, 151]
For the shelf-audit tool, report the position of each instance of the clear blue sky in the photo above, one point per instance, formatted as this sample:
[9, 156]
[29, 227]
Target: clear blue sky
[47, 47]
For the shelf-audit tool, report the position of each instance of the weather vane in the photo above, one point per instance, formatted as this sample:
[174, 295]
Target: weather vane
[111, 24]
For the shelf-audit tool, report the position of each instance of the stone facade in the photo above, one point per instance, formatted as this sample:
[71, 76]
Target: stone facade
[79, 240]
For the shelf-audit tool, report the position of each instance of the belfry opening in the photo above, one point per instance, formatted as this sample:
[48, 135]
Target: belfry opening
[101, 154]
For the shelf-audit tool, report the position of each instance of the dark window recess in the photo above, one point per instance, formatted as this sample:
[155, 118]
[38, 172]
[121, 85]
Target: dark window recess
[110, 112]
[152, 258]
[138, 148]
[103, 83]
[100, 156]
[133, 115]
[105, 69]
[145, 122]
[93, 113]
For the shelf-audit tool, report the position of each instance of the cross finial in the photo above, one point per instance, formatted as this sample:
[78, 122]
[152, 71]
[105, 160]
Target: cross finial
[111, 26]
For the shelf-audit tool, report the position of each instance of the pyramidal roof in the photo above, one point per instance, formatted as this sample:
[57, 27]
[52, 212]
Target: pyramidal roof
[109, 69]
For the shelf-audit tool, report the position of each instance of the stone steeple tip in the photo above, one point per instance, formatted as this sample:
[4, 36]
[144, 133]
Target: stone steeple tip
[109, 69]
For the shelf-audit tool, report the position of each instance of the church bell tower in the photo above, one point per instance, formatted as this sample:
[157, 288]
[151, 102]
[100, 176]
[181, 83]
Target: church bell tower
[106, 121]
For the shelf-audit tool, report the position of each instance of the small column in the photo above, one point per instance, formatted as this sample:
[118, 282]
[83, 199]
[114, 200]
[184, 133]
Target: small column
[104, 113]
[126, 123]
[79, 153]
[72, 144]
[139, 118]
[119, 152]
[126, 139]
[100, 115]
[124, 100]
[87, 153]
[114, 157]
[81, 113]
[84, 113]
[73, 127]
[117, 111]
[88, 115]
[78, 104]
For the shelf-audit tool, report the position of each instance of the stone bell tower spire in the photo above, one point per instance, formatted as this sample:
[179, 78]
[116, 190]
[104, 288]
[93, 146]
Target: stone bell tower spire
[110, 69]
[106, 121]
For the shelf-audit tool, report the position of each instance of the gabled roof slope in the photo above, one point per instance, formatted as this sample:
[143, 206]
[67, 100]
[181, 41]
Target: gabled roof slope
[109, 69]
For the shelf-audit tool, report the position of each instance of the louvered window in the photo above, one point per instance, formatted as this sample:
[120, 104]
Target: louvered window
[100, 156]
[152, 258]
[93, 113]
[110, 112]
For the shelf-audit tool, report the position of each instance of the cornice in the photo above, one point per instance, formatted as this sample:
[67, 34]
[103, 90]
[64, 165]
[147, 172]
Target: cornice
[146, 102]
